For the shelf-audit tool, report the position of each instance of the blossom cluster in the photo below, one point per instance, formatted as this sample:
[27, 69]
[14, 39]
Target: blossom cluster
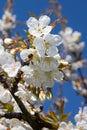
[73, 49]
[7, 22]
[29, 69]
[81, 122]
[71, 39]
[43, 69]
[13, 124]
[39, 62]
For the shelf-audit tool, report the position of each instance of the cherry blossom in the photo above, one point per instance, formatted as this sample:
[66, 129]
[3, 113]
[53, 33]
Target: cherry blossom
[39, 27]
[33, 75]
[12, 69]
[8, 21]
[30, 67]
[47, 45]
[66, 126]
[48, 64]
[82, 115]
[70, 40]
[5, 95]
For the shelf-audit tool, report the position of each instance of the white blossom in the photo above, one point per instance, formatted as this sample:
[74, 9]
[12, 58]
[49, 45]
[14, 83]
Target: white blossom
[24, 94]
[7, 22]
[47, 45]
[15, 106]
[82, 115]
[26, 52]
[66, 126]
[2, 127]
[69, 35]
[18, 128]
[82, 125]
[32, 75]
[14, 122]
[5, 57]
[12, 69]
[77, 65]
[5, 95]
[71, 40]
[48, 64]
[52, 76]
[39, 27]
[48, 80]
[53, 39]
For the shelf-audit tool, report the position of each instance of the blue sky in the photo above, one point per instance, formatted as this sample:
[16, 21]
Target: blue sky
[76, 13]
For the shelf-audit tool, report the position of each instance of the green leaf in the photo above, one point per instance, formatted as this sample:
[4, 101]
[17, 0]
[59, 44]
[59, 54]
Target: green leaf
[48, 120]
[65, 116]
[8, 107]
[52, 116]
[61, 108]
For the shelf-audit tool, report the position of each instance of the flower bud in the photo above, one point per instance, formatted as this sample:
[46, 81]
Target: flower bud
[8, 41]
[49, 95]
[42, 96]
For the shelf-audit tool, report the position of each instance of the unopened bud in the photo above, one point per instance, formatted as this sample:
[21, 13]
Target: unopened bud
[8, 41]
[63, 62]
[42, 96]
[49, 95]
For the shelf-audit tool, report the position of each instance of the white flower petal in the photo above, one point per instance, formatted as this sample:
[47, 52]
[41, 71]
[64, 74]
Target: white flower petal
[58, 75]
[32, 22]
[54, 40]
[63, 125]
[11, 69]
[34, 32]
[44, 20]
[1, 41]
[48, 64]
[52, 51]
[39, 44]
[81, 46]
[46, 30]
[76, 36]
[67, 31]
[48, 80]
[26, 52]
[39, 27]
[25, 69]
[1, 50]
[5, 95]
[2, 127]
[18, 128]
